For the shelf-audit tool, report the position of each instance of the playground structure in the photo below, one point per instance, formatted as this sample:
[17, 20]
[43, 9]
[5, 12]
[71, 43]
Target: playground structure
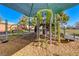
[45, 22]
[47, 36]
[49, 18]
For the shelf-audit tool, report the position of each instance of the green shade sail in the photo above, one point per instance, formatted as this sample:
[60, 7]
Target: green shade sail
[30, 9]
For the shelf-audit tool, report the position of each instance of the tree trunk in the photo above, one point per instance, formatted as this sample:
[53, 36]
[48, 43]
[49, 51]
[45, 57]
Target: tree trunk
[55, 27]
[50, 32]
[35, 29]
[38, 35]
[43, 29]
[58, 32]
[29, 24]
[64, 31]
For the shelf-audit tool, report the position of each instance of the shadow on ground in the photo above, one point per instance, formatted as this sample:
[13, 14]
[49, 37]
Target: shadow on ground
[14, 45]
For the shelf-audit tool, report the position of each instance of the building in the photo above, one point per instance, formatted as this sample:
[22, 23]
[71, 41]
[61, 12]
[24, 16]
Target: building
[2, 27]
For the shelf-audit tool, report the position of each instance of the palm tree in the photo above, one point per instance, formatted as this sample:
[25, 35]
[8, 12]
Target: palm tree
[33, 21]
[46, 25]
[65, 18]
[40, 17]
[22, 24]
[58, 27]
[61, 17]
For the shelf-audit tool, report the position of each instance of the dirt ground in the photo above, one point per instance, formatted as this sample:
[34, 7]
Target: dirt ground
[13, 45]
[26, 45]
[63, 49]
[71, 31]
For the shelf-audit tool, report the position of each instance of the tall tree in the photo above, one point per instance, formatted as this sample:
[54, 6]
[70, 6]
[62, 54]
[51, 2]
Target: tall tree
[22, 24]
[61, 17]
[64, 19]
[33, 21]
[40, 18]
[48, 21]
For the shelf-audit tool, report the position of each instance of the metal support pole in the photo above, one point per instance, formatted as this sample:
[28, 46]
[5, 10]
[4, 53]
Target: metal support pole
[30, 15]
[64, 32]
[29, 24]
[6, 29]
[59, 32]
[45, 30]
[51, 29]
[44, 23]
[55, 27]
[74, 36]
[65, 29]
[6, 32]
[38, 29]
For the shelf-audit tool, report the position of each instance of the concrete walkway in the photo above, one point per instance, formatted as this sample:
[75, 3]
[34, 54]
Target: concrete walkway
[71, 37]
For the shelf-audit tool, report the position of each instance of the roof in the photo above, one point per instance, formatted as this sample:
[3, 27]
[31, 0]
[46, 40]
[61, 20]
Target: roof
[30, 9]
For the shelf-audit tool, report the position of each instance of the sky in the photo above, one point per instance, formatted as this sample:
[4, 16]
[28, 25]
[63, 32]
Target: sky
[13, 16]
[73, 14]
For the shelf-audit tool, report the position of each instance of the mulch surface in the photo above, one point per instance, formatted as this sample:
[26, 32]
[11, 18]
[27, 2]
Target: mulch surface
[63, 49]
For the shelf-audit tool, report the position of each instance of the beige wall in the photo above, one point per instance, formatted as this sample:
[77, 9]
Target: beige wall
[2, 27]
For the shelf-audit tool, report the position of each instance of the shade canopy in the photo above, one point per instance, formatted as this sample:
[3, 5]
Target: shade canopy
[30, 9]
